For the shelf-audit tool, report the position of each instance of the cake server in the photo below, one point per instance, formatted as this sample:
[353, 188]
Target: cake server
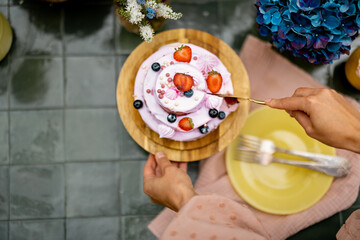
[232, 97]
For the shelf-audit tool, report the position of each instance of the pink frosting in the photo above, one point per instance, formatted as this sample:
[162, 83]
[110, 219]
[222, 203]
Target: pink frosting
[207, 63]
[165, 131]
[213, 102]
[171, 93]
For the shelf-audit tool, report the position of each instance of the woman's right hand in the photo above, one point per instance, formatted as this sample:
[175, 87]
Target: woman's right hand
[325, 115]
[167, 183]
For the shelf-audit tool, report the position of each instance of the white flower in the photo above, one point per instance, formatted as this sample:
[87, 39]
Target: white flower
[134, 10]
[165, 11]
[135, 13]
[151, 4]
[146, 32]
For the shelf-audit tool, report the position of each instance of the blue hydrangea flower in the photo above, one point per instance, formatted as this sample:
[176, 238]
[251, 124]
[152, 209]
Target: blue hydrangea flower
[308, 5]
[342, 5]
[141, 2]
[318, 30]
[150, 13]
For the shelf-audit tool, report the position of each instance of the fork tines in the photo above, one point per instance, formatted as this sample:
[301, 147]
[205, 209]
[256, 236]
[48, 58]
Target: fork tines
[249, 141]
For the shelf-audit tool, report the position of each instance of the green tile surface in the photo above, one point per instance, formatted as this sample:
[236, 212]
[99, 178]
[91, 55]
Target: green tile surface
[133, 199]
[4, 138]
[346, 213]
[4, 82]
[238, 20]
[37, 230]
[129, 149]
[37, 136]
[93, 228]
[3, 230]
[36, 30]
[92, 189]
[192, 170]
[325, 229]
[89, 29]
[91, 134]
[4, 9]
[36, 83]
[4, 193]
[37, 192]
[135, 227]
[125, 41]
[203, 16]
[90, 81]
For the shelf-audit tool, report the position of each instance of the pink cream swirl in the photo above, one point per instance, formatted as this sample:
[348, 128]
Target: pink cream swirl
[171, 94]
[165, 131]
[206, 63]
[213, 102]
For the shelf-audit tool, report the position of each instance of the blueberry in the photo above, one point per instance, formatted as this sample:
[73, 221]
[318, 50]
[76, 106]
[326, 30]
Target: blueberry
[171, 117]
[204, 129]
[221, 115]
[213, 113]
[189, 93]
[155, 66]
[138, 104]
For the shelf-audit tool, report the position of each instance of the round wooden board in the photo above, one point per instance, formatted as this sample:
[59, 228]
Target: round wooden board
[176, 150]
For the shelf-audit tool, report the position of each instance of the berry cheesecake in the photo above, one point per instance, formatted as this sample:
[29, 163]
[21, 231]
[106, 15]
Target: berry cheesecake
[175, 92]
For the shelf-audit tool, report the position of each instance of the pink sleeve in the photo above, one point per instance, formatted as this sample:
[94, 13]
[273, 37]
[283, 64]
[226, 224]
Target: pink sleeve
[215, 218]
[351, 229]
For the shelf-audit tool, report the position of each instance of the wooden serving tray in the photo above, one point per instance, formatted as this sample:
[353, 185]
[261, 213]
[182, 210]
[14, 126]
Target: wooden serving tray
[204, 147]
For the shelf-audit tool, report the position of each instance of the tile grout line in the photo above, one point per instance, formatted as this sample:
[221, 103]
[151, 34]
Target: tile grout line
[62, 32]
[9, 175]
[76, 161]
[79, 55]
[80, 217]
[9, 127]
[116, 62]
[62, 108]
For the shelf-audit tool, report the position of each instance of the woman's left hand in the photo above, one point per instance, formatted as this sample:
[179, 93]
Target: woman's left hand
[167, 183]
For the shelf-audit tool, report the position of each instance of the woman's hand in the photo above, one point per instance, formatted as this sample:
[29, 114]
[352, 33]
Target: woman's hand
[325, 115]
[167, 183]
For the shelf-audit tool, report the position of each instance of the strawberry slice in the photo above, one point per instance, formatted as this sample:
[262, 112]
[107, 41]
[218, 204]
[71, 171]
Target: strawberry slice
[186, 124]
[183, 54]
[214, 81]
[231, 100]
[183, 82]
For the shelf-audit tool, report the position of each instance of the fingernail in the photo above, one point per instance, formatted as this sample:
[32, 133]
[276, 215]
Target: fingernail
[268, 100]
[160, 155]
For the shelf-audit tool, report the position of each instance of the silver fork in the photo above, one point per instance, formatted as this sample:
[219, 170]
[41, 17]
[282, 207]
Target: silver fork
[268, 146]
[253, 156]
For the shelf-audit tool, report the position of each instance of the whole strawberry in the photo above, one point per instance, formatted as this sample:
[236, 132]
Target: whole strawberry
[186, 124]
[183, 54]
[183, 82]
[214, 81]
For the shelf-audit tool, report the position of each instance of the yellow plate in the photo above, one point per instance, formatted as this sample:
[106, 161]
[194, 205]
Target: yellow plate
[6, 36]
[278, 188]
